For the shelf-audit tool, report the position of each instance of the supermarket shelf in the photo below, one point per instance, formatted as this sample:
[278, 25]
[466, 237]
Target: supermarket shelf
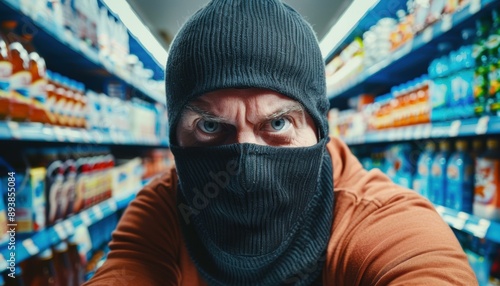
[470, 224]
[48, 237]
[402, 55]
[485, 125]
[90, 56]
[46, 133]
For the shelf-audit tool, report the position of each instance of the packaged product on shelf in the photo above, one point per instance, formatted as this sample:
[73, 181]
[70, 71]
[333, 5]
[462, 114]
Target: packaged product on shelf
[103, 37]
[460, 179]
[480, 54]
[462, 78]
[38, 87]
[438, 174]
[53, 185]
[404, 30]
[39, 270]
[4, 193]
[440, 90]
[352, 64]
[399, 166]
[83, 170]
[487, 182]
[493, 46]
[76, 261]
[421, 183]
[62, 264]
[127, 177]
[20, 79]
[436, 10]
[70, 27]
[30, 200]
[421, 11]
[68, 188]
[5, 74]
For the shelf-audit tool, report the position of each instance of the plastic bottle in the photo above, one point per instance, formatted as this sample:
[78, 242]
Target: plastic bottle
[437, 190]
[440, 92]
[487, 183]
[67, 197]
[20, 80]
[480, 54]
[76, 261]
[62, 264]
[53, 184]
[466, 74]
[493, 46]
[460, 179]
[40, 271]
[38, 87]
[421, 183]
[5, 74]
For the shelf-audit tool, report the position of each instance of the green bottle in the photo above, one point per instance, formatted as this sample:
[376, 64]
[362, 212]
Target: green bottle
[493, 44]
[480, 54]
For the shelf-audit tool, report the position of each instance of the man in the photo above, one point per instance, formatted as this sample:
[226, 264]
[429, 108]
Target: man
[260, 195]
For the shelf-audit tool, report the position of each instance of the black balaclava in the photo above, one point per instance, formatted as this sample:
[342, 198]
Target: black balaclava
[251, 214]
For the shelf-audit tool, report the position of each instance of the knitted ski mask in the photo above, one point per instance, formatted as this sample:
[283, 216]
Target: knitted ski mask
[252, 214]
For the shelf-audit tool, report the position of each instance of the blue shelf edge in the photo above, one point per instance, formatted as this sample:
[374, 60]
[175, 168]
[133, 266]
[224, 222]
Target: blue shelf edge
[24, 131]
[84, 51]
[470, 224]
[427, 35]
[52, 235]
[485, 125]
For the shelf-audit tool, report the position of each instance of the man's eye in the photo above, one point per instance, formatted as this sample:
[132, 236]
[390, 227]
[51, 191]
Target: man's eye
[209, 126]
[279, 124]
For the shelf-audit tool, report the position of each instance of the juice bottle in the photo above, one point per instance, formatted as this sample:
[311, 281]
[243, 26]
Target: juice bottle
[83, 169]
[40, 270]
[487, 183]
[68, 188]
[421, 183]
[460, 177]
[5, 74]
[54, 182]
[76, 261]
[20, 80]
[62, 264]
[38, 87]
[480, 55]
[438, 174]
[61, 97]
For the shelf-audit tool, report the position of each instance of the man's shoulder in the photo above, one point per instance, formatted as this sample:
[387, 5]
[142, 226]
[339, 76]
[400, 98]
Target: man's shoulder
[162, 188]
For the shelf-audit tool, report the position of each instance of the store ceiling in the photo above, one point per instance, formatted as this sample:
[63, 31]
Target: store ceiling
[165, 17]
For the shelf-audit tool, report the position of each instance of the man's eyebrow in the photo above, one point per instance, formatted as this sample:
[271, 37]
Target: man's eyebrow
[207, 115]
[286, 110]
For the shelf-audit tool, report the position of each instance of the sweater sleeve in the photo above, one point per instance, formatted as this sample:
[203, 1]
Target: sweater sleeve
[145, 246]
[384, 234]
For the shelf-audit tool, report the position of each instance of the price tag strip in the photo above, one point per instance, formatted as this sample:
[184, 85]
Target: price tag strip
[30, 247]
[69, 227]
[85, 218]
[61, 232]
[482, 125]
[454, 128]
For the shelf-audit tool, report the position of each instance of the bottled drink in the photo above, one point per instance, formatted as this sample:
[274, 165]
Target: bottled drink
[421, 183]
[438, 174]
[62, 265]
[21, 77]
[459, 175]
[5, 74]
[76, 262]
[480, 54]
[40, 270]
[487, 183]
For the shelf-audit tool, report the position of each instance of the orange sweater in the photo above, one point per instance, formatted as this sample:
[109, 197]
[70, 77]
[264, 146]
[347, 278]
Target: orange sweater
[382, 235]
